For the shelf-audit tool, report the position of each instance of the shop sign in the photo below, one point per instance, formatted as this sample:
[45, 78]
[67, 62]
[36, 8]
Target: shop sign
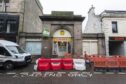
[63, 39]
[117, 38]
[46, 32]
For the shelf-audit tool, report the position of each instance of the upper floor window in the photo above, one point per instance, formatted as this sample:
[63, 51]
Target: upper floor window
[114, 27]
[11, 26]
[2, 29]
[1, 1]
[5, 1]
[4, 4]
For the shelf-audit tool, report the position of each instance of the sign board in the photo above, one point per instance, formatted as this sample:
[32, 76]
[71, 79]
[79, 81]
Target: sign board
[46, 32]
[34, 48]
[117, 38]
[63, 39]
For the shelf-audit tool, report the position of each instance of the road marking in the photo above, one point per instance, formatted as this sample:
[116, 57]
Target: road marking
[10, 73]
[58, 74]
[121, 73]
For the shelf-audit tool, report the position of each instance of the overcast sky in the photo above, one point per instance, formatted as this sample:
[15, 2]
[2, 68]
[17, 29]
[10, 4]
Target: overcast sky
[81, 7]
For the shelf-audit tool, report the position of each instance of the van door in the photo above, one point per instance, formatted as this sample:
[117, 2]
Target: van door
[4, 54]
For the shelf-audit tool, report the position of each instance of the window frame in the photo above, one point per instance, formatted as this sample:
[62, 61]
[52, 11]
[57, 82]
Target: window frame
[6, 1]
[1, 1]
[2, 26]
[114, 27]
[12, 26]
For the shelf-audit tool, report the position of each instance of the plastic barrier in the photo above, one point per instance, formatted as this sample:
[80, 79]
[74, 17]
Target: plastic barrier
[36, 65]
[67, 63]
[122, 62]
[112, 62]
[79, 64]
[100, 62]
[89, 57]
[43, 64]
[56, 64]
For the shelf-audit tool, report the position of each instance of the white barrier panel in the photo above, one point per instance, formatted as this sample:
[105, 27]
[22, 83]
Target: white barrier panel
[79, 64]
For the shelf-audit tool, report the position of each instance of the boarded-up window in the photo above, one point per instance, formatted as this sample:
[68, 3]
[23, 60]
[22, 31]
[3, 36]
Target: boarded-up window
[91, 47]
[34, 48]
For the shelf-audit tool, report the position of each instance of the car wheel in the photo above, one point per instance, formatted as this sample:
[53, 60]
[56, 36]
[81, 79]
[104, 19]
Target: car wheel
[8, 66]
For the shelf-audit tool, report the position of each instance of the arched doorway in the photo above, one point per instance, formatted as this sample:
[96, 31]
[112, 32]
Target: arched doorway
[62, 42]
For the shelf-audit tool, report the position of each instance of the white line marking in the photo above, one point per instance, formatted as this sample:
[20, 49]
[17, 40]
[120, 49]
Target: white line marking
[10, 73]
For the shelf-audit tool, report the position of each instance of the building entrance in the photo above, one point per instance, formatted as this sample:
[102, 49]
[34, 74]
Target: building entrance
[61, 43]
[60, 48]
[116, 48]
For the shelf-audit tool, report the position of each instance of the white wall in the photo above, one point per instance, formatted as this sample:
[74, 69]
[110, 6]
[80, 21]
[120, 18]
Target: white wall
[93, 24]
[121, 26]
[107, 29]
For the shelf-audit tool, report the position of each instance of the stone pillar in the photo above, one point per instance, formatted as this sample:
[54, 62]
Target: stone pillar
[101, 46]
[107, 45]
[22, 42]
[77, 39]
[47, 47]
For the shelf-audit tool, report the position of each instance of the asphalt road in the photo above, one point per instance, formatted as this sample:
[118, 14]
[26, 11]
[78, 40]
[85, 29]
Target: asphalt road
[95, 79]
[26, 75]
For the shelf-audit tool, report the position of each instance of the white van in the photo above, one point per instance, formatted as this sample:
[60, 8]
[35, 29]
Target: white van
[12, 55]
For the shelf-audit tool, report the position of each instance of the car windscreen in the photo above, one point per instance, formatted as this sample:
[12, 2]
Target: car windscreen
[16, 49]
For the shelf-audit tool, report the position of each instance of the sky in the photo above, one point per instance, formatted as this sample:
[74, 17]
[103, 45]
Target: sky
[81, 7]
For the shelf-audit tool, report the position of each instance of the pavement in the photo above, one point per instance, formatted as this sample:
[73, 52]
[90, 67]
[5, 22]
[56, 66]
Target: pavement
[26, 75]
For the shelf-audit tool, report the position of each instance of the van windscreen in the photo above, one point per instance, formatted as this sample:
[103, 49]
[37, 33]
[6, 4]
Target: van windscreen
[15, 49]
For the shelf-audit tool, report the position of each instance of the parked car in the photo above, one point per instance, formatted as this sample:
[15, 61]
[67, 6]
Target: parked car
[12, 55]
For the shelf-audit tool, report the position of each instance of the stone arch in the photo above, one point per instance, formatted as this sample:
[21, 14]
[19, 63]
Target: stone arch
[70, 30]
[66, 33]
[62, 42]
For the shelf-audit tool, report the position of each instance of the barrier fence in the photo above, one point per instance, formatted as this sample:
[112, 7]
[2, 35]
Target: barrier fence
[95, 62]
[104, 62]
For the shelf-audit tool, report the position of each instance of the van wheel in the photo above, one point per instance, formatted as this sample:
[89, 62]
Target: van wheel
[8, 66]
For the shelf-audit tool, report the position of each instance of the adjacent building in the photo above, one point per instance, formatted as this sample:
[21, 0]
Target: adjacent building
[20, 22]
[93, 36]
[114, 27]
[105, 33]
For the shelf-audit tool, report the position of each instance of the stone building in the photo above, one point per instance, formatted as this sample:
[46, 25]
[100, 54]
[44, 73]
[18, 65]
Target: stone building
[113, 26]
[105, 33]
[62, 32]
[93, 36]
[20, 22]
